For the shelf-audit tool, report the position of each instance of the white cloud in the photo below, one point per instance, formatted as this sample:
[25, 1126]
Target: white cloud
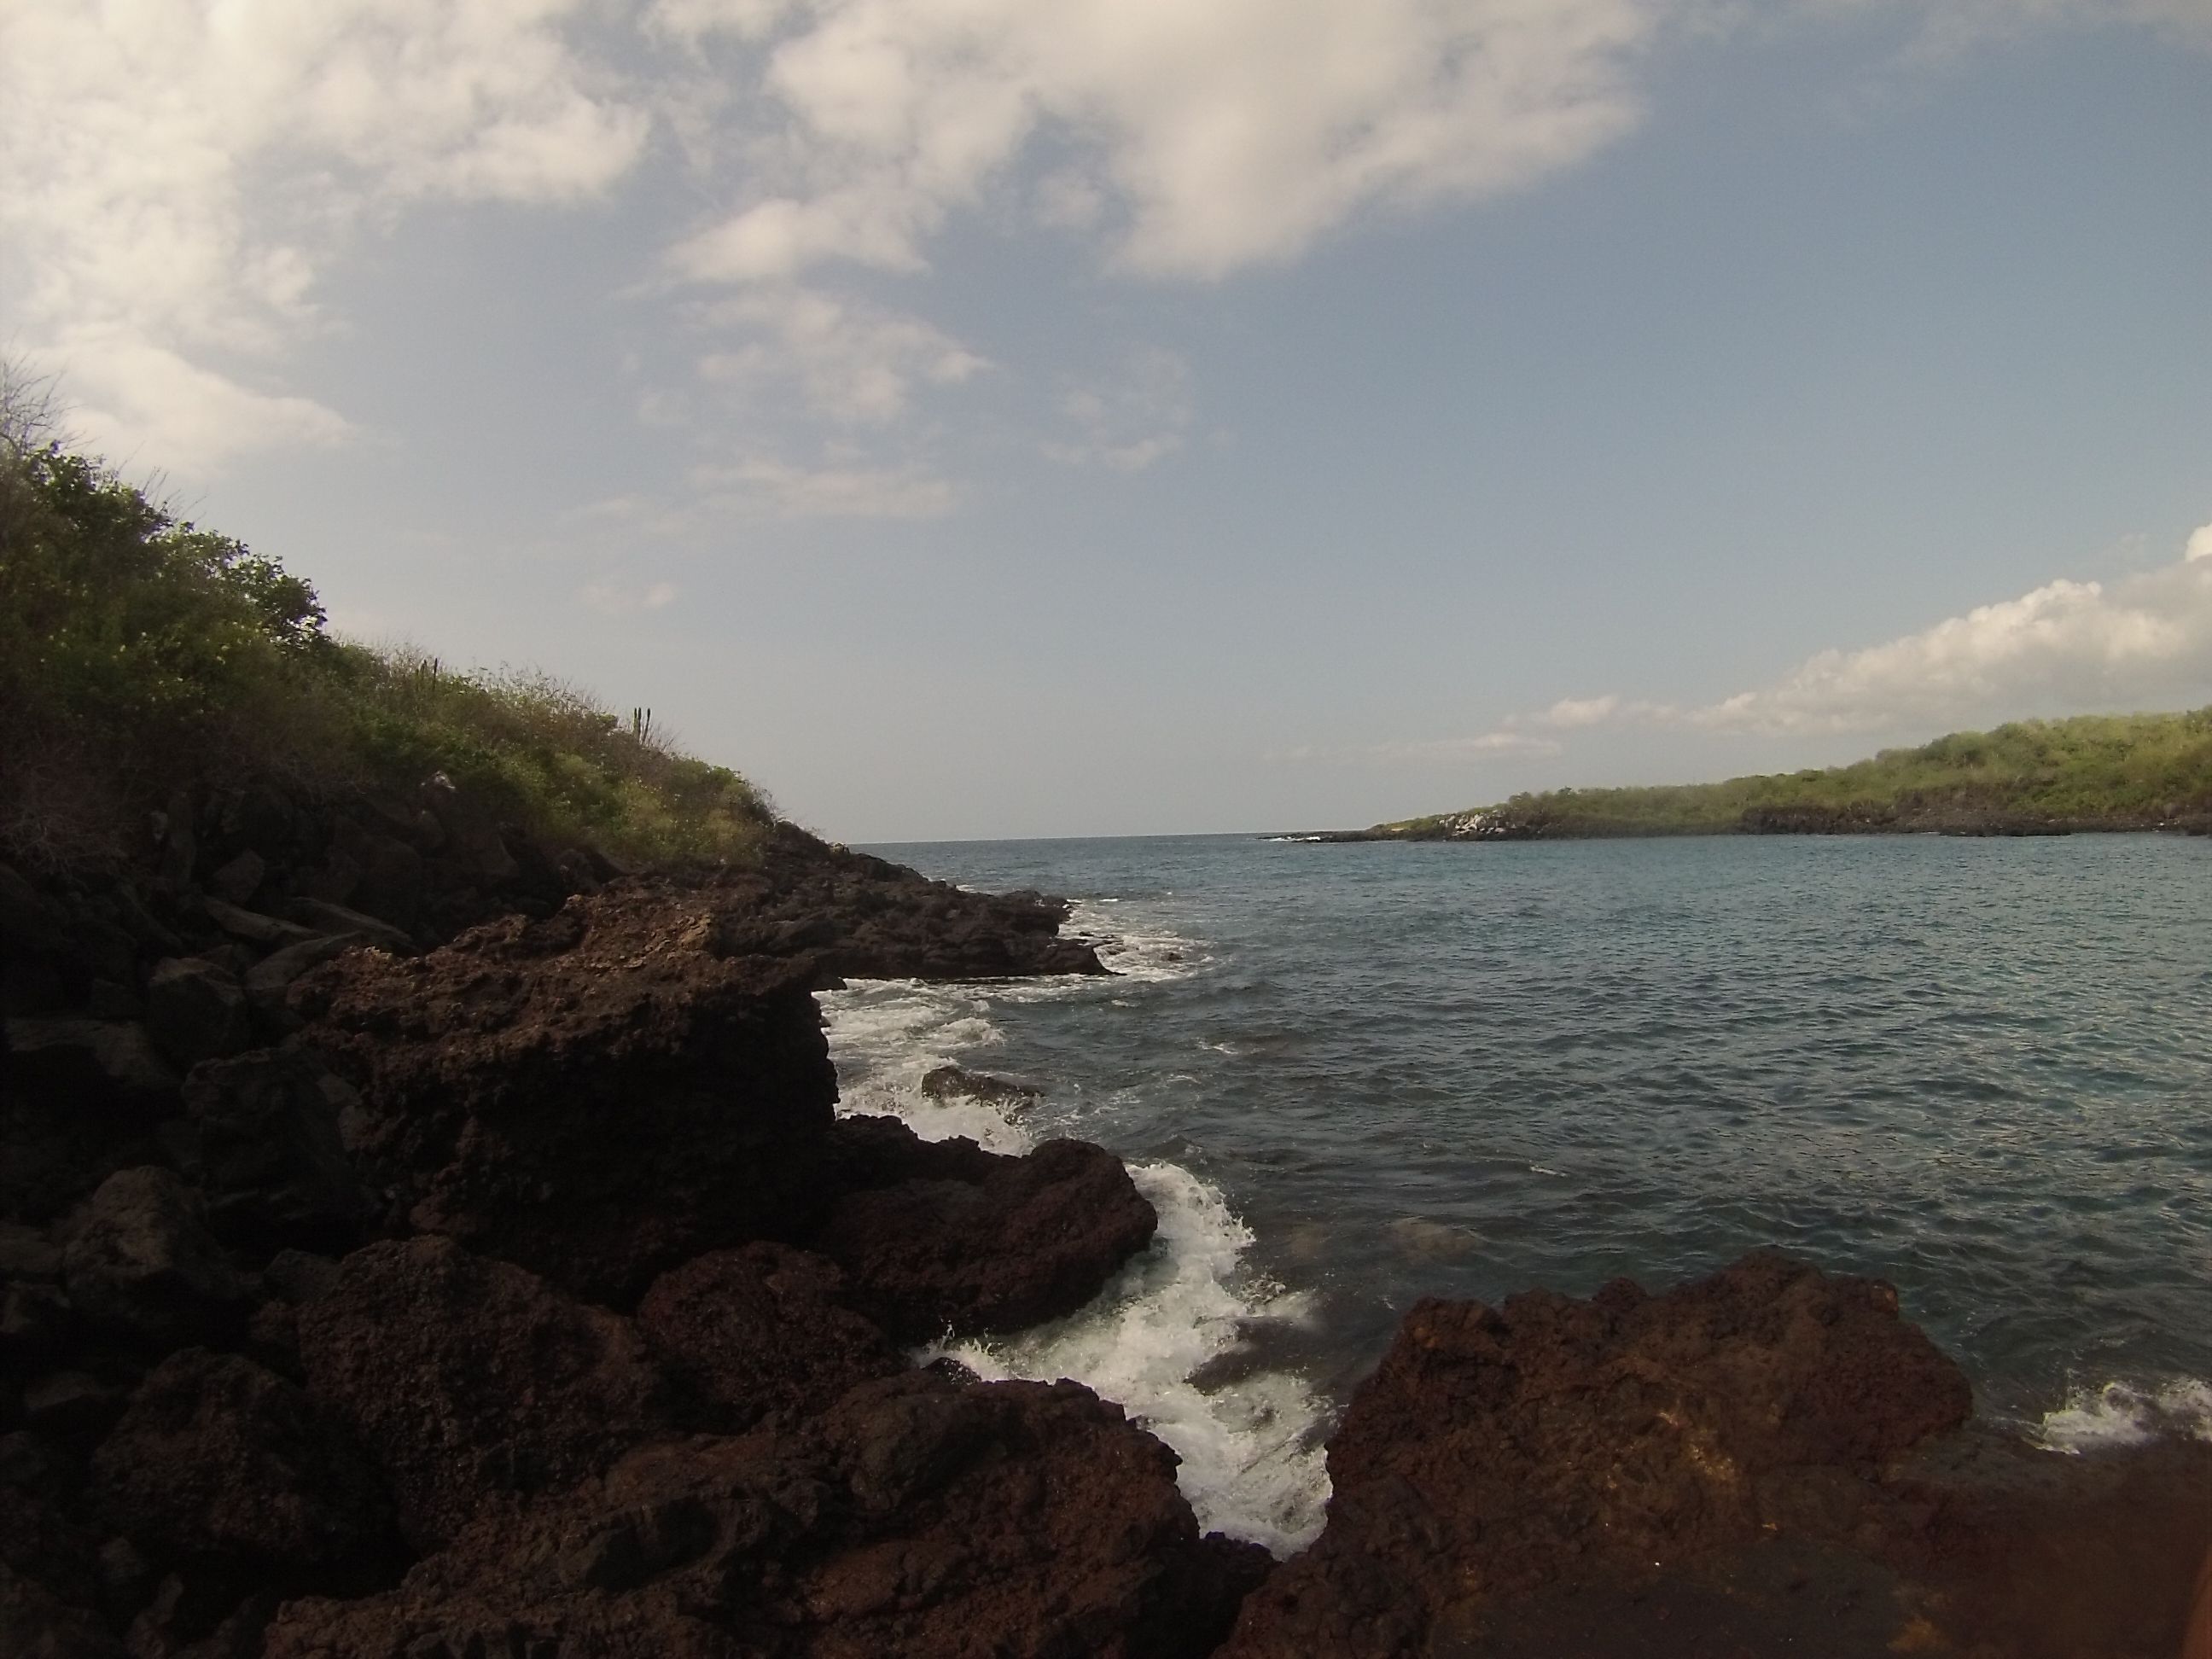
[761, 485]
[1228, 134]
[1140, 416]
[178, 173]
[1571, 712]
[2067, 647]
[614, 598]
[856, 364]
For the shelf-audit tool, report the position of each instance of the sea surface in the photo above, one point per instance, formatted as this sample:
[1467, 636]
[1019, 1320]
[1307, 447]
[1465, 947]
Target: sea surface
[1350, 1076]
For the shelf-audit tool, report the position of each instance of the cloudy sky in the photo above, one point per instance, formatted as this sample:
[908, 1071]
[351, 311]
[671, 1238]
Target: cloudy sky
[977, 417]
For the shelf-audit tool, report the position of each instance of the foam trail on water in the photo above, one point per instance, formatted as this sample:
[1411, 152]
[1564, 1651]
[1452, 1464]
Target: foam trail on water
[1252, 1458]
[2125, 1414]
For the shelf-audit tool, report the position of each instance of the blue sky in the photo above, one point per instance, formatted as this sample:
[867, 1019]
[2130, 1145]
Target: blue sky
[973, 417]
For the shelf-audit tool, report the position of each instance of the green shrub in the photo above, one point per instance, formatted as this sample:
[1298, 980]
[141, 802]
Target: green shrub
[140, 653]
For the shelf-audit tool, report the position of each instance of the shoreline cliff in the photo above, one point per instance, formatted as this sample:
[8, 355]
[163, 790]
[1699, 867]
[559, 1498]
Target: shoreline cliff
[419, 1240]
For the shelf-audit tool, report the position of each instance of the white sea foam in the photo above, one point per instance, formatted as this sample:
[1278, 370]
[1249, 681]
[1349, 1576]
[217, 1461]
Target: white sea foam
[1150, 953]
[1252, 1459]
[2127, 1414]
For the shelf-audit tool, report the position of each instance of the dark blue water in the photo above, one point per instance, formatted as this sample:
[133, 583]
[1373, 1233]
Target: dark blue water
[1980, 1069]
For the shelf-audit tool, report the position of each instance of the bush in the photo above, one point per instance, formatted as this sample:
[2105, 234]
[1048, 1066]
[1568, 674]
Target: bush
[140, 653]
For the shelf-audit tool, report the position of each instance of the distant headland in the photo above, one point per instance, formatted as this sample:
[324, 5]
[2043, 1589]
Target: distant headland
[2096, 772]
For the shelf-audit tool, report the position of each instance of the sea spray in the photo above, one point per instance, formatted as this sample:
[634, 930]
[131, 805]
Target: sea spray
[2119, 1414]
[1252, 1458]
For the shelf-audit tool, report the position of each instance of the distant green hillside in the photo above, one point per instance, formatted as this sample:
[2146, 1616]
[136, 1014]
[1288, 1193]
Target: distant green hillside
[2096, 772]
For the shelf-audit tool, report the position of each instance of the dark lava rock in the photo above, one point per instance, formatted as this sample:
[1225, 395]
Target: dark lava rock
[597, 1097]
[916, 1519]
[195, 1010]
[90, 1060]
[851, 916]
[1497, 1452]
[761, 1330]
[974, 1242]
[476, 1384]
[140, 1263]
[34, 1624]
[221, 1466]
[273, 1165]
[958, 1083]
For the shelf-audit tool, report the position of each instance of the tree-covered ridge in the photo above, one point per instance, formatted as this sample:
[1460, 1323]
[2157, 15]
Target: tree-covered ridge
[2094, 772]
[140, 655]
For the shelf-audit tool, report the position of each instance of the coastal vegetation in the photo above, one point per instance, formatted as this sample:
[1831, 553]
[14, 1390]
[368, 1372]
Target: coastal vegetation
[2094, 772]
[140, 653]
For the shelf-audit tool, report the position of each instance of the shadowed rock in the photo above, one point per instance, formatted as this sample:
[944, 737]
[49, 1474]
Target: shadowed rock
[476, 1386]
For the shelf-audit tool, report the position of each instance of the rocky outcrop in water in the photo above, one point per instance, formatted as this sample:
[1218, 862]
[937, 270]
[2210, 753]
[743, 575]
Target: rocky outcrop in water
[1765, 1460]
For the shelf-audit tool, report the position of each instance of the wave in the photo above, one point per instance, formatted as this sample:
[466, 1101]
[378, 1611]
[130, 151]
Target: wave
[2116, 1414]
[1252, 1458]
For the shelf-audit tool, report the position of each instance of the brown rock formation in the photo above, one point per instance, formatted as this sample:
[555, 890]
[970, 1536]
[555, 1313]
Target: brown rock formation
[916, 1519]
[475, 1386]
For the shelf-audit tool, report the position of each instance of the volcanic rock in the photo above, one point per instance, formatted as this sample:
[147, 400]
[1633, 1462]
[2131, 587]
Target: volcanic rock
[917, 1518]
[195, 1010]
[762, 1329]
[226, 1468]
[140, 1263]
[478, 1387]
[975, 1242]
[597, 1097]
[272, 1162]
[1496, 1452]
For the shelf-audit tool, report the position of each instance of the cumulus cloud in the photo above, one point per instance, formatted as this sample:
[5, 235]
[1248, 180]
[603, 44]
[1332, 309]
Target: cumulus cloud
[1218, 136]
[179, 174]
[2066, 647]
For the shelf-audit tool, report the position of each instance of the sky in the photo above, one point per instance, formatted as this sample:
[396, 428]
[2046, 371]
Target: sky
[978, 418]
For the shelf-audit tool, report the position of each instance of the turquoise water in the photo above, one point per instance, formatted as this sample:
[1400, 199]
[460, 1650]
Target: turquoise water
[1357, 1074]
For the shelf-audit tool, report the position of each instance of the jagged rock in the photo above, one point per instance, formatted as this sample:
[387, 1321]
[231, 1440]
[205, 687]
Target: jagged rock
[220, 1467]
[973, 1241]
[273, 1162]
[103, 1062]
[325, 917]
[269, 982]
[140, 1263]
[1495, 1453]
[238, 881]
[196, 1011]
[597, 1097]
[853, 915]
[476, 1385]
[35, 1625]
[269, 933]
[917, 1518]
[70, 1407]
[760, 1330]
[958, 1083]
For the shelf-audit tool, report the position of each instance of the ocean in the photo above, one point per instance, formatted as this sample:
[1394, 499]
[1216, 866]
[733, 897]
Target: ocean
[1351, 1076]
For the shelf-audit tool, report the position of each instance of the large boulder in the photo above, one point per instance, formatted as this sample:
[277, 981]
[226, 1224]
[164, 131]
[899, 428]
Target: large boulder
[597, 1097]
[916, 1519]
[945, 1236]
[272, 1160]
[225, 1468]
[478, 1387]
[195, 1010]
[1497, 1452]
[140, 1264]
[760, 1330]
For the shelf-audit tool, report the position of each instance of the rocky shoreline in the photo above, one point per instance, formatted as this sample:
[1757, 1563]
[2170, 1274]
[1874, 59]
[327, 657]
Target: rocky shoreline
[417, 1241]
